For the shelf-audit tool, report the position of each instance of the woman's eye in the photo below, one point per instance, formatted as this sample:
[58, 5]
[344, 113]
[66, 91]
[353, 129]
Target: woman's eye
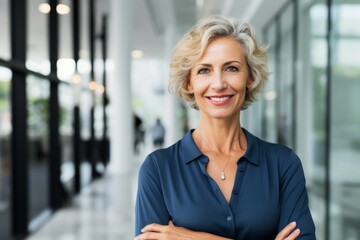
[202, 71]
[232, 69]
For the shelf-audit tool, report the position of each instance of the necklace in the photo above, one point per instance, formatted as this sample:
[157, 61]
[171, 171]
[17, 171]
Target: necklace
[223, 176]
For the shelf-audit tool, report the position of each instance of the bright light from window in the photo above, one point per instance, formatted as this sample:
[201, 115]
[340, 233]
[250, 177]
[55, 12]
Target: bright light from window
[65, 68]
[199, 3]
[271, 95]
[137, 54]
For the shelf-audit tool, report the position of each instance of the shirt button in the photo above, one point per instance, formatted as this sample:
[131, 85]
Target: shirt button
[229, 218]
[241, 169]
[235, 192]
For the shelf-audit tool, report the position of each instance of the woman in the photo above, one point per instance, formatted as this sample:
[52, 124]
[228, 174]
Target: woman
[219, 181]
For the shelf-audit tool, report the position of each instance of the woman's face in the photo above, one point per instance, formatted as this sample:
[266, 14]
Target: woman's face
[219, 78]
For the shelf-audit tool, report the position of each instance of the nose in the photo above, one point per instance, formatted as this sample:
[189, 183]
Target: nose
[218, 82]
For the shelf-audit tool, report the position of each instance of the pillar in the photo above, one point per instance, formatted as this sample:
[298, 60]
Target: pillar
[119, 87]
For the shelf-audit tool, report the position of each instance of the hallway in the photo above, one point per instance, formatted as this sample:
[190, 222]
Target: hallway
[103, 210]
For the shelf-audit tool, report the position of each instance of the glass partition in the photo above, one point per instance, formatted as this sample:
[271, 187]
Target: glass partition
[5, 29]
[285, 119]
[37, 38]
[5, 152]
[85, 103]
[85, 96]
[38, 135]
[345, 121]
[66, 132]
[270, 93]
[312, 85]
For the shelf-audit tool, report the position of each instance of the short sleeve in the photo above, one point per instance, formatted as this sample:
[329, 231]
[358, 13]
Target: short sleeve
[294, 199]
[150, 206]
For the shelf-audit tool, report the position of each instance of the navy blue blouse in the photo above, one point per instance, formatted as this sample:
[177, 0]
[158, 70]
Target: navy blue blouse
[269, 192]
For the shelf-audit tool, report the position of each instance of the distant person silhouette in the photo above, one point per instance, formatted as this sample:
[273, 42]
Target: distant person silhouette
[158, 134]
[139, 133]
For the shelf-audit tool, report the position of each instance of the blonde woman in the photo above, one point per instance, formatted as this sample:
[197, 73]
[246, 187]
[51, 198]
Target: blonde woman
[220, 181]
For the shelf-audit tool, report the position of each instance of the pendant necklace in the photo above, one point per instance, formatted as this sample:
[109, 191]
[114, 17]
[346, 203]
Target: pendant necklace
[223, 176]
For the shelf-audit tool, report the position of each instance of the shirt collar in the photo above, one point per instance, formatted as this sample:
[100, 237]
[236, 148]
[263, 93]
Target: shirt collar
[191, 152]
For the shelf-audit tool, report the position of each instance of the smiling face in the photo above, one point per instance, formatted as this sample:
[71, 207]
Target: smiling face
[219, 79]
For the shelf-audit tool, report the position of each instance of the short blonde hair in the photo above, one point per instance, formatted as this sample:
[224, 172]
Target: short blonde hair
[193, 44]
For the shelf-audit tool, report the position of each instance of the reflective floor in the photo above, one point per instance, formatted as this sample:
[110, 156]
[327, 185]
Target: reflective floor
[103, 210]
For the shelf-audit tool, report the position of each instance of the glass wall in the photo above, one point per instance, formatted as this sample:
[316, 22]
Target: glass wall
[5, 152]
[4, 29]
[38, 135]
[285, 79]
[312, 87]
[322, 106]
[65, 72]
[37, 39]
[25, 199]
[269, 115]
[66, 132]
[85, 96]
[345, 121]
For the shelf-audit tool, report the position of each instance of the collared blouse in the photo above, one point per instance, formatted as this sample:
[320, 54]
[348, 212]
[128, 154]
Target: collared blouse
[269, 192]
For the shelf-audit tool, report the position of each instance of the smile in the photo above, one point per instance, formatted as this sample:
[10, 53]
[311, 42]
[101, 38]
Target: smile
[219, 99]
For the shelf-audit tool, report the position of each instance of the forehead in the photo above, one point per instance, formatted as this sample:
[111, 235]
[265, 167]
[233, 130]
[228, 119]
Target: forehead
[223, 48]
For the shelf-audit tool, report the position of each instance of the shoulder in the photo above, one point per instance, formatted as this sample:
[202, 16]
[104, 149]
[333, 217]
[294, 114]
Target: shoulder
[160, 159]
[274, 154]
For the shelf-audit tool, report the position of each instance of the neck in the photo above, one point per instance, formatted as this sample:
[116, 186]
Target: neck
[221, 140]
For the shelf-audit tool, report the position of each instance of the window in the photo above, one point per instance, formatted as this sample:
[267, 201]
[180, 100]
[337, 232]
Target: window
[345, 119]
[5, 30]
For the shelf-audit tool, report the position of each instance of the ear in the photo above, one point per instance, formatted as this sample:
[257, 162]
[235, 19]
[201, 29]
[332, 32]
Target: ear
[189, 87]
[249, 82]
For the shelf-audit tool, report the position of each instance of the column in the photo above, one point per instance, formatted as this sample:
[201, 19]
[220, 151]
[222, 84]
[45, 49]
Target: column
[119, 87]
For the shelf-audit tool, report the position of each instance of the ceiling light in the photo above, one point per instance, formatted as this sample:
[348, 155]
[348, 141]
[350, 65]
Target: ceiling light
[44, 8]
[62, 9]
[76, 78]
[100, 89]
[92, 85]
[137, 54]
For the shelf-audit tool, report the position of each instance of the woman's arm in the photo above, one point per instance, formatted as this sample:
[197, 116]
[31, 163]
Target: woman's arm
[294, 198]
[150, 205]
[171, 232]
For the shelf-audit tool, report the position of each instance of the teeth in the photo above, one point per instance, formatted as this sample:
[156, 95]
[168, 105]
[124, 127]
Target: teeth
[219, 99]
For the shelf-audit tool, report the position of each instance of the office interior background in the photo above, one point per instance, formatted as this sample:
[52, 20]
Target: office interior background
[74, 72]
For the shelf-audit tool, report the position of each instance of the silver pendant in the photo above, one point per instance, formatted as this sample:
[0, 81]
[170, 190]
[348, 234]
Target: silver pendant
[223, 175]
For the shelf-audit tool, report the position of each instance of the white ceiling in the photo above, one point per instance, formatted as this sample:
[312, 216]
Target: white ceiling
[153, 17]
[152, 20]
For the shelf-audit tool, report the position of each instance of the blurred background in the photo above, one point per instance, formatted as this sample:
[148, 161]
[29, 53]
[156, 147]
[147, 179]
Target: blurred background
[82, 83]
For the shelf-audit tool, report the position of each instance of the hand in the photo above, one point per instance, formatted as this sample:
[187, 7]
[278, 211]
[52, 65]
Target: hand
[288, 233]
[171, 232]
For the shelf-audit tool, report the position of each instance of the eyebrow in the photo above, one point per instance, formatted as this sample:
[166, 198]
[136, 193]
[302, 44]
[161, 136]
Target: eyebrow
[225, 64]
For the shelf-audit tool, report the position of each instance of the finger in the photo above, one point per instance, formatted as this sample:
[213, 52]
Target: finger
[293, 235]
[286, 231]
[154, 227]
[149, 235]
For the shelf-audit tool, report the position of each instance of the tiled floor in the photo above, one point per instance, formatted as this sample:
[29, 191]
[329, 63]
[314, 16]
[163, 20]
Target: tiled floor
[103, 211]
